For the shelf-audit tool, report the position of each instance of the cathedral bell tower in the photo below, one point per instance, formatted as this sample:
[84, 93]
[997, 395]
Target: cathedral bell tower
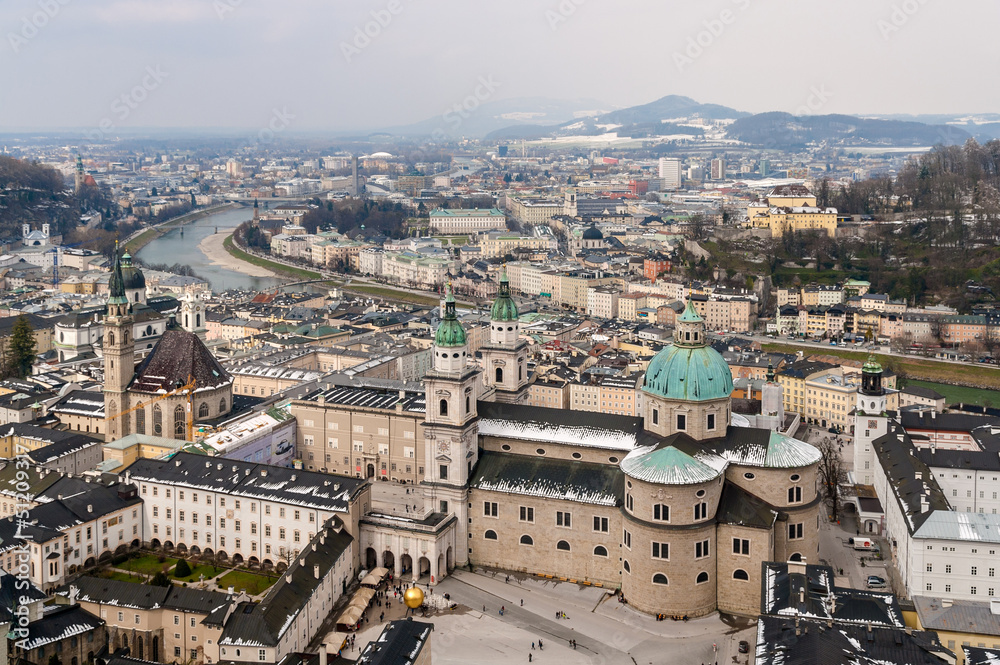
[119, 355]
[870, 419]
[505, 357]
[451, 424]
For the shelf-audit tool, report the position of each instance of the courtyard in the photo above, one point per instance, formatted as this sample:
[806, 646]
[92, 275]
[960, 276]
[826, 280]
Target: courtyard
[605, 630]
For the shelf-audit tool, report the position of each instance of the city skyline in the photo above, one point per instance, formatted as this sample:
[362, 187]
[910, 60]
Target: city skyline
[140, 64]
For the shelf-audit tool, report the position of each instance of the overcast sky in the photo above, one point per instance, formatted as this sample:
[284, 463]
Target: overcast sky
[231, 63]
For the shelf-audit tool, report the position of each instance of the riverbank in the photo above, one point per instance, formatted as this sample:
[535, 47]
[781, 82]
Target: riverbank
[214, 249]
[137, 242]
[279, 268]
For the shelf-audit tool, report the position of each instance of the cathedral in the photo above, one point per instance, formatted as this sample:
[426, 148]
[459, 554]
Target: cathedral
[178, 382]
[677, 508]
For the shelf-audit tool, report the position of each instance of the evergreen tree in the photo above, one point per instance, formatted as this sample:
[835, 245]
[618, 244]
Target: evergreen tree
[22, 348]
[182, 569]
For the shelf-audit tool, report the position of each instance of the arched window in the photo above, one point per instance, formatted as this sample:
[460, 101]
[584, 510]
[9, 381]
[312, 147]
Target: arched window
[157, 420]
[526, 540]
[562, 545]
[444, 407]
[222, 405]
[702, 578]
[627, 567]
[197, 320]
[795, 557]
[140, 420]
[600, 550]
[490, 534]
[203, 410]
[179, 423]
[111, 338]
[660, 578]
[499, 374]
[740, 574]
[467, 404]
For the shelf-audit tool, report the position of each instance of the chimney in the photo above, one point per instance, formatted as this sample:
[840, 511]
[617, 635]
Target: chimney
[946, 602]
[933, 415]
[288, 578]
[263, 473]
[994, 605]
[924, 504]
[90, 508]
[316, 571]
[177, 462]
[302, 562]
[231, 591]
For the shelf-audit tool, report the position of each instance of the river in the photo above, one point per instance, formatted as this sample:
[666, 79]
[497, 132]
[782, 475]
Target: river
[173, 247]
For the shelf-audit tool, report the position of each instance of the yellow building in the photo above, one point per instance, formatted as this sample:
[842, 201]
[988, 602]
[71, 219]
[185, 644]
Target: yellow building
[792, 207]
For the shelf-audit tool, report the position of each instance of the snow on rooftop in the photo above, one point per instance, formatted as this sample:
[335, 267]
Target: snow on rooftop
[577, 435]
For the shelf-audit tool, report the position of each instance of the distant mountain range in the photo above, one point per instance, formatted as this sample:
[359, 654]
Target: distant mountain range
[677, 116]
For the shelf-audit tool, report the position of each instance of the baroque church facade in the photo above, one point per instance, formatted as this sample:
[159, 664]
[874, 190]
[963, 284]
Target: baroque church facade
[677, 508]
[178, 382]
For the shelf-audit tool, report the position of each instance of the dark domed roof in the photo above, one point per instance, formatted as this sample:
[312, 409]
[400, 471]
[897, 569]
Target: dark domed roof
[593, 233]
[132, 276]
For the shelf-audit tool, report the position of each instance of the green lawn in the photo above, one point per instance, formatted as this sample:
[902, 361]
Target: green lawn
[124, 577]
[252, 582]
[208, 570]
[967, 374]
[279, 268]
[148, 564]
[962, 394]
[392, 294]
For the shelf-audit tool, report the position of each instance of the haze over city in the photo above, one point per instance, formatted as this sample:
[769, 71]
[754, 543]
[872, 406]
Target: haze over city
[227, 63]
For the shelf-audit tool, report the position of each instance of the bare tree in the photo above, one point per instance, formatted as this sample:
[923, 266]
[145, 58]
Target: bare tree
[832, 473]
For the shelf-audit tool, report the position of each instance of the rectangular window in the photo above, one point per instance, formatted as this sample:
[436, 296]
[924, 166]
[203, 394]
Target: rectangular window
[661, 550]
[443, 470]
[947, 568]
[661, 512]
[794, 531]
[656, 416]
[563, 519]
[681, 422]
[527, 514]
[700, 511]
[627, 539]
[701, 549]
[794, 495]
[600, 524]
[741, 546]
[490, 509]
[711, 421]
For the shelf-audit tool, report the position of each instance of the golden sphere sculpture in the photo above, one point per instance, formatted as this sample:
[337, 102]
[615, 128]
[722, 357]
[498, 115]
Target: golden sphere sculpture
[413, 597]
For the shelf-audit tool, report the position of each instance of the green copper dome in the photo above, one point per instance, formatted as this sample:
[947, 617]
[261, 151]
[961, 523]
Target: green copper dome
[689, 370]
[871, 365]
[690, 374]
[504, 308]
[450, 332]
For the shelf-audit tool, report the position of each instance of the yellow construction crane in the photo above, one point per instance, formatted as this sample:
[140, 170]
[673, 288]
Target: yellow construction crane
[189, 386]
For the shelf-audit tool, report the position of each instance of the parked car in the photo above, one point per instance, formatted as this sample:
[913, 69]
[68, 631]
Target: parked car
[744, 646]
[875, 582]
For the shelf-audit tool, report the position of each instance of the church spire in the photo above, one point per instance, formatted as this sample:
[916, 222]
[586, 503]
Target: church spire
[116, 285]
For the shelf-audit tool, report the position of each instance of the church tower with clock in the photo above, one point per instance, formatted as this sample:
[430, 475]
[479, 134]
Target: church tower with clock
[451, 424]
